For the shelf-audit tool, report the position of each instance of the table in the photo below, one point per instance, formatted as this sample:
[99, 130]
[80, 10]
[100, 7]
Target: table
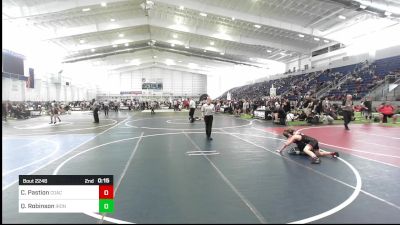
[262, 113]
[35, 112]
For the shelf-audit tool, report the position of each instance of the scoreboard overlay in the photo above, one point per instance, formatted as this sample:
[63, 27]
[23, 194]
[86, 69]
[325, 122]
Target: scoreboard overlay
[66, 193]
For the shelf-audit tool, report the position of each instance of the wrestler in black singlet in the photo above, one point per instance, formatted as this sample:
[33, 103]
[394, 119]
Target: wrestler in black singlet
[306, 140]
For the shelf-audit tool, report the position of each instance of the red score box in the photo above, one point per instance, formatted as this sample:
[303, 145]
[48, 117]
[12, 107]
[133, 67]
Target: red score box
[106, 192]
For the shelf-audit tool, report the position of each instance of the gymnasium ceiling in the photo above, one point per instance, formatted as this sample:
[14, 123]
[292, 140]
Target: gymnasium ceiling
[249, 32]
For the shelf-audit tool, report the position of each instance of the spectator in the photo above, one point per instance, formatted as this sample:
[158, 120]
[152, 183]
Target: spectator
[367, 105]
[4, 110]
[386, 110]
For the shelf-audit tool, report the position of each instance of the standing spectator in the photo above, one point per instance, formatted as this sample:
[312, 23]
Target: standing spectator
[4, 107]
[318, 106]
[106, 108]
[152, 106]
[276, 111]
[116, 104]
[253, 108]
[192, 108]
[218, 106]
[231, 107]
[245, 107]
[57, 112]
[186, 104]
[367, 105]
[286, 106]
[240, 107]
[326, 105]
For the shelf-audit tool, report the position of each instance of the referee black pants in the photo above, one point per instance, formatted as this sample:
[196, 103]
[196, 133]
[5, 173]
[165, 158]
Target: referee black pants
[346, 118]
[95, 115]
[191, 113]
[106, 110]
[208, 120]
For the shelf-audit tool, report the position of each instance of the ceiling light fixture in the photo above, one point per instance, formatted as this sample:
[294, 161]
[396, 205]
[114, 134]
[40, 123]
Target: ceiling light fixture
[317, 39]
[181, 7]
[221, 53]
[233, 18]
[301, 35]
[120, 35]
[175, 35]
[126, 44]
[112, 20]
[211, 43]
[387, 13]
[342, 17]
[257, 26]
[114, 46]
[269, 51]
[193, 65]
[203, 14]
[326, 41]
[363, 6]
[187, 46]
[135, 62]
[81, 41]
[104, 4]
[85, 9]
[169, 62]
[93, 50]
[204, 50]
[172, 45]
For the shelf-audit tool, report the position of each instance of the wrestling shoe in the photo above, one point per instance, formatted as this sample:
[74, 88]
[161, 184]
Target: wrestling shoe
[315, 160]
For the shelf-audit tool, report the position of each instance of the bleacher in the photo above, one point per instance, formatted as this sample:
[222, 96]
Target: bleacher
[344, 69]
[358, 83]
[387, 65]
[362, 79]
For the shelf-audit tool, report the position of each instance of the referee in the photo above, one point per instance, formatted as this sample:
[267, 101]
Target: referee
[95, 111]
[192, 108]
[347, 108]
[208, 110]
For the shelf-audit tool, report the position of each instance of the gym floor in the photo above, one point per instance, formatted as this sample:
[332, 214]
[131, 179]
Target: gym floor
[166, 171]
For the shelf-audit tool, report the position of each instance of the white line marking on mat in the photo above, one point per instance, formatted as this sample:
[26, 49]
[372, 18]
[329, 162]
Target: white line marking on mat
[48, 163]
[200, 151]
[124, 171]
[370, 143]
[341, 206]
[211, 153]
[365, 192]
[38, 160]
[362, 157]
[242, 197]
[177, 133]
